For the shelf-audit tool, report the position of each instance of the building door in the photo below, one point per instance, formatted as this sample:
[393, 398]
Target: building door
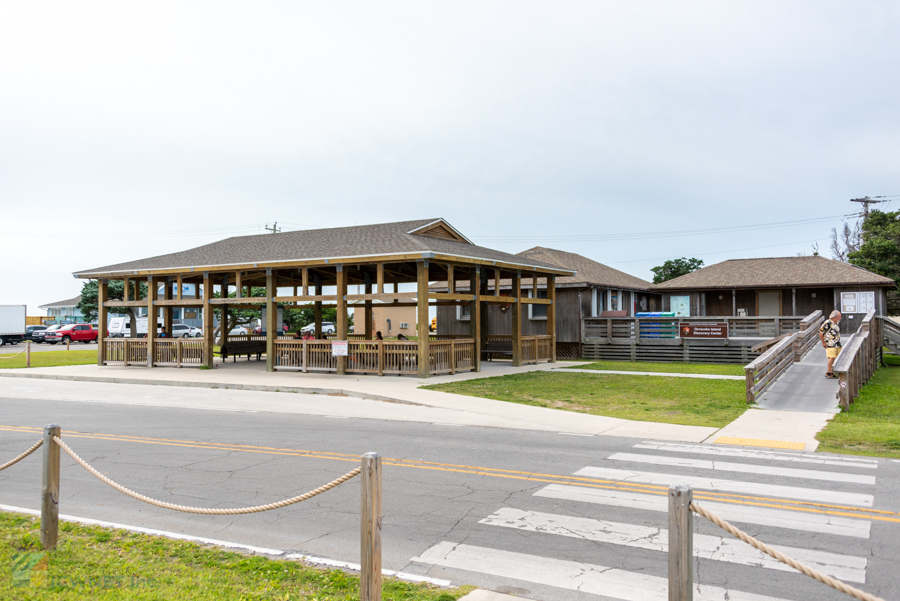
[769, 303]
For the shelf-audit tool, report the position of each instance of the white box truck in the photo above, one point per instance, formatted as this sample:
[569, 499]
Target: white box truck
[12, 324]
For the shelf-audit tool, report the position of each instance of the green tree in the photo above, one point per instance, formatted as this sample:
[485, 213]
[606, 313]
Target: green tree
[674, 268]
[115, 291]
[879, 250]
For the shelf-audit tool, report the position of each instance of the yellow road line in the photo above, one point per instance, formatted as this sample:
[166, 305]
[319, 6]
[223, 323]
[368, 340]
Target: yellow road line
[789, 504]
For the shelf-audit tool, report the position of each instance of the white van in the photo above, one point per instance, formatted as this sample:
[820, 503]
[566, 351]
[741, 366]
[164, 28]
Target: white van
[120, 327]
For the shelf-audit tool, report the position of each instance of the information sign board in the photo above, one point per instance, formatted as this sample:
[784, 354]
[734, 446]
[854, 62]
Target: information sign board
[339, 348]
[703, 330]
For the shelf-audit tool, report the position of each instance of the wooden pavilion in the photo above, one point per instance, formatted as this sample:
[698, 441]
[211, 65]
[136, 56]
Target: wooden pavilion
[295, 267]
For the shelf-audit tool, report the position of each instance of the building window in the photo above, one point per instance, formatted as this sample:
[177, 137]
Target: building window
[537, 311]
[464, 312]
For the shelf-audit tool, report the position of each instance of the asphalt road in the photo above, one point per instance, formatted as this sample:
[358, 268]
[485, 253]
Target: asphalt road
[546, 516]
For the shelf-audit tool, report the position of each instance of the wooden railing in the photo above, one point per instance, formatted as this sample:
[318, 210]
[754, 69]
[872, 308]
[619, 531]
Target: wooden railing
[858, 359]
[376, 356]
[762, 371]
[596, 329]
[536, 349]
[809, 334]
[890, 332]
[173, 352]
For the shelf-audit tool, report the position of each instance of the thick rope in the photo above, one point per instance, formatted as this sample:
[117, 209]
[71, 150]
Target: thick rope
[203, 510]
[13, 356]
[33, 448]
[824, 579]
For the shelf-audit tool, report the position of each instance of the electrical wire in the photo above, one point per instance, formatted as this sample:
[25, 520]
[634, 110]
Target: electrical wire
[718, 252]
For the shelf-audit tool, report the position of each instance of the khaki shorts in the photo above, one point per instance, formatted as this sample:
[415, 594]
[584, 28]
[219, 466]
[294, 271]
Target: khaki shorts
[832, 353]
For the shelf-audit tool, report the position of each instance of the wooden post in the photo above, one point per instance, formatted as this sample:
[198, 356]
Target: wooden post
[681, 544]
[370, 528]
[238, 284]
[734, 303]
[496, 282]
[28, 353]
[208, 329]
[422, 317]
[452, 356]
[379, 278]
[516, 312]
[793, 301]
[50, 489]
[179, 294]
[380, 344]
[102, 297]
[368, 310]
[125, 289]
[475, 314]
[223, 312]
[304, 280]
[451, 279]
[271, 319]
[151, 321]
[167, 310]
[317, 310]
[341, 325]
[67, 344]
[551, 314]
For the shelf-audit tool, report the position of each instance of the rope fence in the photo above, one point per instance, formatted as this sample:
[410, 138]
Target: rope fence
[370, 503]
[681, 506]
[33, 448]
[13, 356]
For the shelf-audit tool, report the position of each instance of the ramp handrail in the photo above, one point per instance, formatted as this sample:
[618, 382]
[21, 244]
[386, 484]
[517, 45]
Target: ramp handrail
[762, 371]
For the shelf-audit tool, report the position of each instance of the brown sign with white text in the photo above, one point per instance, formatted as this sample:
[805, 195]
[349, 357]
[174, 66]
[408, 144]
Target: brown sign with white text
[703, 330]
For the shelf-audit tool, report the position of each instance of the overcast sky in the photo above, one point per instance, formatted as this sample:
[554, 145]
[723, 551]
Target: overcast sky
[130, 130]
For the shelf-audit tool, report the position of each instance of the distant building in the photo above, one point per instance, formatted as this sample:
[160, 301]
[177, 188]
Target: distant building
[64, 311]
[390, 321]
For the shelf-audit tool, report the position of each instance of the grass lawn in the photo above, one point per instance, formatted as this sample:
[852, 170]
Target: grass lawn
[49, 358]
[688, 401]
[872, 425]
[672, 368]
[93, 563]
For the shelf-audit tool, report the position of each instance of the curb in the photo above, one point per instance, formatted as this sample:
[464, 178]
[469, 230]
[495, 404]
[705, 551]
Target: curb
[214, 385]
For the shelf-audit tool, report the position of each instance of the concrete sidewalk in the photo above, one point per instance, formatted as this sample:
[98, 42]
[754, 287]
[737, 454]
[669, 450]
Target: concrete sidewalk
[407, 400]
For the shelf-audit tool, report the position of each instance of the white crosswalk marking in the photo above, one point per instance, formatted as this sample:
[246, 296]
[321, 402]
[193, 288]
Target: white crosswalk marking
[570, 575]
[731, 550]
[746, 514]
[747, 468]
[706, 449]
[772, 490]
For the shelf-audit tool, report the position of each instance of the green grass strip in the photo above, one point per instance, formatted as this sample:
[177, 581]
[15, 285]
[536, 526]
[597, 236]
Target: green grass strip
[716, 369]
[686, 401]
[100, 564]
[50, 358]
[872, 425]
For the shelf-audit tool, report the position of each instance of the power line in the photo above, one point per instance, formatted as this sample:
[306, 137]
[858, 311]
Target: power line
[866, 201]
[718, 252]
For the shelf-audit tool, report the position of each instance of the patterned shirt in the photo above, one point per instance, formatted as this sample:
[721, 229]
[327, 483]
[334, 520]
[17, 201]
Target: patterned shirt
[831, 333]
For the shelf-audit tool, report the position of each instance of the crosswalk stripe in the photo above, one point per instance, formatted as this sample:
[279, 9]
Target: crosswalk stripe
[746, 514]
[731, 550]
[759, 454]
[772, 490]
[570, 575]
[747, 468]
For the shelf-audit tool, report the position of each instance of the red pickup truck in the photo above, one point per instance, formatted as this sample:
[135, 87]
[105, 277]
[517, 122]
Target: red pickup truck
[77, 332]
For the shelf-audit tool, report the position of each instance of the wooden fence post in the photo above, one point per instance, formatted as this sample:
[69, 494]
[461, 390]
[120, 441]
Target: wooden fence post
[370, 528]
[681, 544]
[50, 489]
[28, 354]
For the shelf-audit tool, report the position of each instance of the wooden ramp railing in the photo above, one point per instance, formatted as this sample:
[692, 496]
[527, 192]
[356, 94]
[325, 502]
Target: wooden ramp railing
[859, 359]
[763, 370]
[890, 333]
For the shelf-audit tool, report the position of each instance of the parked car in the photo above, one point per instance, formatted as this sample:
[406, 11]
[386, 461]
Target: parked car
[182, 330]
[327, 328]
[78, 332]
[30, 330]
[38, 336]
[239, 331]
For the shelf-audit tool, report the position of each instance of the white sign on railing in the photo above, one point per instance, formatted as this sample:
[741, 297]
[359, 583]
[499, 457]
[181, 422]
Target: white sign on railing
[339, 348]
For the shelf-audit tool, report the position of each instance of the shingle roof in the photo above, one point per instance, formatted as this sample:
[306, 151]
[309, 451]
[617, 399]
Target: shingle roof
[774, 273]
[588, 272]
[357, 241]
[72, 302]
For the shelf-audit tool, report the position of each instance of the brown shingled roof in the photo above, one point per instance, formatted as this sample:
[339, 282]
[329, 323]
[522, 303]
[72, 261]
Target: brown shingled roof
[357, 241]
[71, 302]
[775, 273]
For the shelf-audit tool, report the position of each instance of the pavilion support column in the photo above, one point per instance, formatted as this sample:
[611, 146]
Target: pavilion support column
[422, 317]
[368, 311]
[223, 313]
[551, 313]
[341, 315]
[317, 310]
[167, 310]
[209, 333]
[516, 311]
[151, 321]
[484, 314]
[271, 319]
[102, 297]
[475, 313]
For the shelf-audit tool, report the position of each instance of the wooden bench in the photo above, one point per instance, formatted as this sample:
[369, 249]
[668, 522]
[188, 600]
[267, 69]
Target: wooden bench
[243, 347]
[497, 347]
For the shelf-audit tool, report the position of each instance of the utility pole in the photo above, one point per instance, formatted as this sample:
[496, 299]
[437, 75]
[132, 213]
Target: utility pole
[275, 229]
[866, 201]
